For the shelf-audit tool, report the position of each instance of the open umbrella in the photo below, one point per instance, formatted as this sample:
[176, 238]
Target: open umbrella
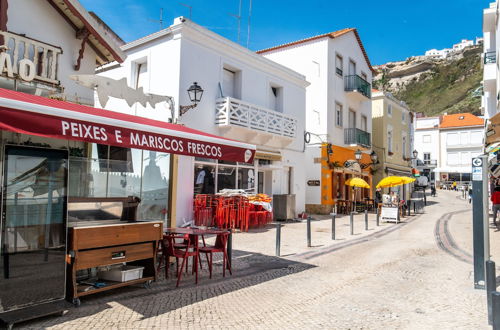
[390, 181]
[407, 179]
[357, 183]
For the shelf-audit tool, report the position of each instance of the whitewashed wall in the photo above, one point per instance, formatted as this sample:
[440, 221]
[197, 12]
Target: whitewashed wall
[39, 20]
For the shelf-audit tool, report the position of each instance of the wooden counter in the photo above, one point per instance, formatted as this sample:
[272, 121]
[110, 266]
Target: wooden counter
[99, 245]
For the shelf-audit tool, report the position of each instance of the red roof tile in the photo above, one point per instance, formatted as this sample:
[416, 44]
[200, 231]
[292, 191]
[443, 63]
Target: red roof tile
[460, 120]
[332, 35]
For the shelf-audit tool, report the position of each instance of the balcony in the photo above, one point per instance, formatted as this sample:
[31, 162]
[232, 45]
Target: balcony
[354, 137]
[41, 56]
[431, 162]
[254, 124]
[358, 87]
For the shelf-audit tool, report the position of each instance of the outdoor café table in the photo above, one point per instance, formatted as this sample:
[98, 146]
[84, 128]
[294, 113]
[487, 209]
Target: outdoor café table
[197, 232]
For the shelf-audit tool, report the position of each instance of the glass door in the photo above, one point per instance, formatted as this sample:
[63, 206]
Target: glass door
[33, 227]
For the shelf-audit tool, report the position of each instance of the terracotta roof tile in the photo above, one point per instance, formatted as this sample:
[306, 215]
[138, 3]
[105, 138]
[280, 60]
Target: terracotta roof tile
[332, 35]
[460, 120]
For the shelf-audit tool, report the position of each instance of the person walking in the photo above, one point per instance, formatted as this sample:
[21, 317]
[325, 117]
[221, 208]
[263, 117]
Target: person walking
[454, 185]
[495, 200]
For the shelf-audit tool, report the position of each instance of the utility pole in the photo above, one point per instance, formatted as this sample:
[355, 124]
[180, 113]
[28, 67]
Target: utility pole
[160, 20]
[189, 7]
[238, 17]
[249, 19]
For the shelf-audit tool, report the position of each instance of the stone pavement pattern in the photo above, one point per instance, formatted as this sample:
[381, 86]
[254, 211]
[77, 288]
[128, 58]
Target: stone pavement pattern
[399, 279]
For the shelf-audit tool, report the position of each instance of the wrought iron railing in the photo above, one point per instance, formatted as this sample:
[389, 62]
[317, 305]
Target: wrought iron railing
[354, 136]
[355, 83]
[230, 111]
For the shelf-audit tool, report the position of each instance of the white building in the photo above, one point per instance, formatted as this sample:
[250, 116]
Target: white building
[489, 102]
[462, 44]
[442, 53]
[338, 109]
[246, 97]
[427, 144]
[62, 48]
[447, 144]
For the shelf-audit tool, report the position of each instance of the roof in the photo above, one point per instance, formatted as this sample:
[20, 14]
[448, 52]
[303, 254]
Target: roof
[461, 120]
[102, 39]
[332, 35]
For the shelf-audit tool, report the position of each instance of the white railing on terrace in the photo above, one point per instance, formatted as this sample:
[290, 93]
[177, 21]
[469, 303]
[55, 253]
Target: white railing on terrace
[43, 56]
[230, 111]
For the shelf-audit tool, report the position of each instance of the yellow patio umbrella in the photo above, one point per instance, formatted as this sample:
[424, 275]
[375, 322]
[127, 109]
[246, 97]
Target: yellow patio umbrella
[407, 179]
[357, 182]
[390, 181]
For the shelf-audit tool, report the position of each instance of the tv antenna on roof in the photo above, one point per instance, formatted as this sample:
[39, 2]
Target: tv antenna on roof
[160, 20]
[238, 17]
[189, 7]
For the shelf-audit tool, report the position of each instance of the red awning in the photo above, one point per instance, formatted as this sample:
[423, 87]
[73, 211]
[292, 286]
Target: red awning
[36, 115]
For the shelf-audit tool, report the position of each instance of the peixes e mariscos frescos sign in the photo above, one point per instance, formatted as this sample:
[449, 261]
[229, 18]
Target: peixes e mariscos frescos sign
[114, 129]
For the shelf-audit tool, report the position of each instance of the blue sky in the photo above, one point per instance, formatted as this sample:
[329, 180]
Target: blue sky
[390, 30]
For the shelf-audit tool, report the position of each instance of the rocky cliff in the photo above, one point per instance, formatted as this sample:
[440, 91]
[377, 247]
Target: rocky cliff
[434, 86]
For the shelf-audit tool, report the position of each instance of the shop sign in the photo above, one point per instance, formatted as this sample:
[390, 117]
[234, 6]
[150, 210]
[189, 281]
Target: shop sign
[128, 135]
[313, 183]
[389, 213]
[25, 67]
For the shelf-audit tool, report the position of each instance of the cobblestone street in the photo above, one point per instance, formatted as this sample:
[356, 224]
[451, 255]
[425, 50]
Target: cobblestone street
[412, 275]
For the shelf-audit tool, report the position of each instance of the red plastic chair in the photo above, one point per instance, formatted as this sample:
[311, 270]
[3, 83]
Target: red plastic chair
[169, 250]
[219, 247]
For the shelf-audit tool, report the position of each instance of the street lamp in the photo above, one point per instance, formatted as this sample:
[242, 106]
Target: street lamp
[195, 93]
[415, 154]
[358, 154]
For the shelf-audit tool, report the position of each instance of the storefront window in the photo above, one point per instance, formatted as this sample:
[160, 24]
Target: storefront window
[122, 172]
[226, 178]
[204, 179]
[246, 179]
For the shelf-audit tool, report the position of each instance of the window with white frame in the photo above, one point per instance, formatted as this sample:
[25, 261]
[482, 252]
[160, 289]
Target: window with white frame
[426, 138]
[476, 138]
[452, 158]
[464, 138]
[465, 158]
[212, 176]
[338, 114]
[339, 65]
[427, 158]
[276, 98]
[452, 139]
[364, 123]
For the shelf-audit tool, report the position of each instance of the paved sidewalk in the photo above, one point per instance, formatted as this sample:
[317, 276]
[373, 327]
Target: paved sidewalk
[405, 276]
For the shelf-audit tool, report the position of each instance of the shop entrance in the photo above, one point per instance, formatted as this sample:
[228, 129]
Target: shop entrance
[33, 227]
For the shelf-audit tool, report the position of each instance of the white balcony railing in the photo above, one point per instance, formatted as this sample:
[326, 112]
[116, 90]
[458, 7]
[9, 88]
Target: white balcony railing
[230, 111]
[43, 56]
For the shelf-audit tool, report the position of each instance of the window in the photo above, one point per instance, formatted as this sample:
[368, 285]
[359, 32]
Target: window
[229, 83]
[276, 98]
[427, 158]
[476, 138]
[364, 123]
[426, 138]
[465, 158]
[389, 109]
[452, 139]
[211, 176]
[389, 141]
[339, 65]
[352, 68]
[464, 138]
[403, 151]
[403, 116]
[352, 118]
[141, 71]
[452, 158]
[338, 114]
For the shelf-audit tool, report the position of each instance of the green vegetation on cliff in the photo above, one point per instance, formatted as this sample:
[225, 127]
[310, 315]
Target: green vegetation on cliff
[447, 86]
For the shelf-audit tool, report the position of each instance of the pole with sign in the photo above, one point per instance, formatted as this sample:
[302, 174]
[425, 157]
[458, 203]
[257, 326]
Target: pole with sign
[480, 220]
